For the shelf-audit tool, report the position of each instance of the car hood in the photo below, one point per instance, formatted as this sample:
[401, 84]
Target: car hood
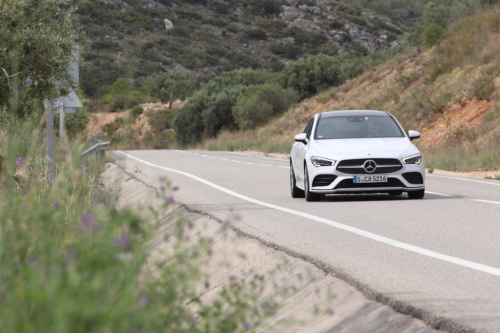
[360, 148]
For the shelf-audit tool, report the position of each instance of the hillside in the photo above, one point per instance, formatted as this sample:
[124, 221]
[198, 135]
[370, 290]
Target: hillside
[136, 38]
[450, 93]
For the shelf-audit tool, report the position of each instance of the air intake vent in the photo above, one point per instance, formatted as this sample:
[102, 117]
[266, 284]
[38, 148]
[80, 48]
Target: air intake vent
[356, 167]
[323, 180]
[348, 183]
[413, 177]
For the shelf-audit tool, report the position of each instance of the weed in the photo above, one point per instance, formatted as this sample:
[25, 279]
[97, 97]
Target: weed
[431, 170]
[497, 177]
[483, 87]
[322, 99]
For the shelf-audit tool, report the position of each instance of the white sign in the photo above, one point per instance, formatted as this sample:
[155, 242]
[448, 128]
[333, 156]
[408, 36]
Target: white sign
[72, 101]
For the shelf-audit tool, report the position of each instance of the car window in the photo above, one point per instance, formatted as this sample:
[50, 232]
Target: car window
[308, 128]
[352, 127]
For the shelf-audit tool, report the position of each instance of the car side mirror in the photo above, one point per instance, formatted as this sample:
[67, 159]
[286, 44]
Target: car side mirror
[413, 135]
[302, 137]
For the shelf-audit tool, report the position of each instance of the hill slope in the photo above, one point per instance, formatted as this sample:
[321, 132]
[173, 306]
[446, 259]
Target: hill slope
[135, 38]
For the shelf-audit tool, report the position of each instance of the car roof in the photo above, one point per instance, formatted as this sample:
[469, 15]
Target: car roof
[344, 113]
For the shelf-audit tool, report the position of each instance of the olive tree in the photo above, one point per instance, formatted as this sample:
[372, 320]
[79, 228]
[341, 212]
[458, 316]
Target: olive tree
[36, 51]
[170, 87]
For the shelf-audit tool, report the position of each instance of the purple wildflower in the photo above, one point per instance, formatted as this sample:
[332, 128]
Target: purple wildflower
[256, 276]
[207, 284]
[166, 237]
[143, 302]
[123, 242]
[247, 325]
[242, 255]
[194, 320]
[30, 261]
[57, 204]
[331, 311]
[70, 256]
[190, 225]
[20, 162]
[313, 278]
[210, 251]
[24, 192]
[285, 289]
[170, 200]
[175, 188]
[87, 223]
[51, 177]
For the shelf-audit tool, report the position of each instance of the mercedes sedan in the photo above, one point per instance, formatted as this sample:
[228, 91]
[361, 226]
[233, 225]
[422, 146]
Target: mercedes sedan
[354, 152]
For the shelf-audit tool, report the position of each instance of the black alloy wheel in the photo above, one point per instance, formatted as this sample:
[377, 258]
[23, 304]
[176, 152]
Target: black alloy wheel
[416, 194]
[310, 196]
[295, 191]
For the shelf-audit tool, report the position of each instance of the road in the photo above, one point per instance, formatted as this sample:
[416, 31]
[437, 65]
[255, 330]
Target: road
[440, 254]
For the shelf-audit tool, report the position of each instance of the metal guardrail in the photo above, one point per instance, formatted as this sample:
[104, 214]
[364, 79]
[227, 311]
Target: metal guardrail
[98, 148]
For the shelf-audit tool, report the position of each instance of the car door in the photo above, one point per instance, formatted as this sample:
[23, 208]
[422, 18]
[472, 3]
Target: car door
[301, 153]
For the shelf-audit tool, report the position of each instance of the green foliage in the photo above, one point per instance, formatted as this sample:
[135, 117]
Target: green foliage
[433, 34]
[120, 96]
[277, 49]
[292, 51]
[265, 7]
[76, 122]
[170, 87]
[483, 87]
[37, 42]
[256, 34]
[136, 111]
[78, 264]
[310, 76]
[260, 103]
[209, 110]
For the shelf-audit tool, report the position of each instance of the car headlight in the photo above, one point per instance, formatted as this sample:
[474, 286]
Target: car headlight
[321, 161]
[413, 159]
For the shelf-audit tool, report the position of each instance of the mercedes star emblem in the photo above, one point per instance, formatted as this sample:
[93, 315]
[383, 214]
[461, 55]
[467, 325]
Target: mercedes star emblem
[369, 166]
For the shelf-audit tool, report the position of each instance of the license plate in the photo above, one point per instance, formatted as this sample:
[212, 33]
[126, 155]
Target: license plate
[370, 179]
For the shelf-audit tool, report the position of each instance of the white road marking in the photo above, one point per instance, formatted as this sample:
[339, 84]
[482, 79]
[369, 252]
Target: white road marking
[235, 161]
[493, 202]
[467, 180]
[441, 194]
[356, 231]
[265, 164]
[224, 159]
[249, 163]
[240, 154]
[284, 167]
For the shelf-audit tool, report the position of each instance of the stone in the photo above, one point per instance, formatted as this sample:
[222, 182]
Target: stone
[168, 25]
[303, 7]
[330, 18]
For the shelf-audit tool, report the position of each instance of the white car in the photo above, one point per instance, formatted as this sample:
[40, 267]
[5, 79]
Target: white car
[355, 152]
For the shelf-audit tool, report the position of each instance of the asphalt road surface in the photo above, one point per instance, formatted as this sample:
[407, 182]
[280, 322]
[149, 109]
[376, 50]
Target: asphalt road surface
[440, 254]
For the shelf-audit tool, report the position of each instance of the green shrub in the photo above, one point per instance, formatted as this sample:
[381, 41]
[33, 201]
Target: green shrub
[260, 103]
[136, 111]
[277, 49]
[336, 25]
[256, 34]
[292, 51]
[433, 34]
[170, 87]
[483, 87]
[358, 20]
[265, 7]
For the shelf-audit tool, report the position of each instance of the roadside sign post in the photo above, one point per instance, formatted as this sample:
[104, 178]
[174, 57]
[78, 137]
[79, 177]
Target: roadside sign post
[50, 138]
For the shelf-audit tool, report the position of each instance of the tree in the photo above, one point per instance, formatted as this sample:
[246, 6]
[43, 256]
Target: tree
[36, 51]
[170, 87]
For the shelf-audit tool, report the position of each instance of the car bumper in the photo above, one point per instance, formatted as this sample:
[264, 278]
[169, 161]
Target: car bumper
[405, 180]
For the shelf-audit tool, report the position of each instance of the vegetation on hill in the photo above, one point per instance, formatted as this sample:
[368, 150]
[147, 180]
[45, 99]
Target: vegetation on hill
[450, 93]
[128, 38]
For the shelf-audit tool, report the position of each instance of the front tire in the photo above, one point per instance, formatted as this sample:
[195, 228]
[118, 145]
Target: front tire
[416, 194]
[310, 196]
[295, 191]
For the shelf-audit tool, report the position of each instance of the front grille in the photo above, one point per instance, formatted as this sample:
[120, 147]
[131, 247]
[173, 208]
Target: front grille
[355, 167]
[323, 180]
[348, 183]
[413, 177]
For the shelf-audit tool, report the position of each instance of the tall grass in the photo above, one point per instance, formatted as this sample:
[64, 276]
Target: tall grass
[71, 262]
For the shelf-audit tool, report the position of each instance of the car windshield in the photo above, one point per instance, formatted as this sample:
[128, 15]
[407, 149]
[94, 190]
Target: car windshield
[355, 127]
